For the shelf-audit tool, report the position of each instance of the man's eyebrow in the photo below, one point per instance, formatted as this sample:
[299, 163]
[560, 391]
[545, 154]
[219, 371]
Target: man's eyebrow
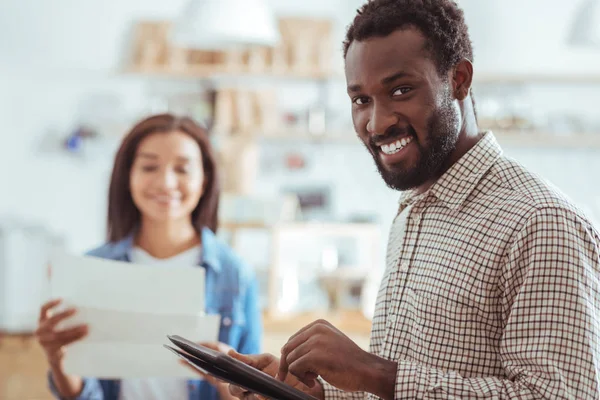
[394, 77]
[354, 88]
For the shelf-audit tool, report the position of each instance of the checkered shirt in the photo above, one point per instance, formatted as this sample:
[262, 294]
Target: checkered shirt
[492, 291]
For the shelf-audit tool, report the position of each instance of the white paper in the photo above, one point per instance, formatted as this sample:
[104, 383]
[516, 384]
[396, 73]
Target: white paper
[99, 283]
[130, 309]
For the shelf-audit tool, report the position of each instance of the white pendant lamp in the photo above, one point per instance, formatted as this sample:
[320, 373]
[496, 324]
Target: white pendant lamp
[585, 30]
[222, 24]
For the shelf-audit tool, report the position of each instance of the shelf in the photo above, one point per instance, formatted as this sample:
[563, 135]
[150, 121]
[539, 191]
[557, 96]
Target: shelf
[233, 226]
[562, 78]
[211, 72]
[348, 321]
[23, 370]
[505, 138]
[216, 72]
[332, 137]
[313, 228]
[328, 228]
[548, 140]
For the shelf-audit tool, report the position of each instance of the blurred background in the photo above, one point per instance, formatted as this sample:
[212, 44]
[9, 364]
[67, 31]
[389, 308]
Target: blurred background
[303, 202]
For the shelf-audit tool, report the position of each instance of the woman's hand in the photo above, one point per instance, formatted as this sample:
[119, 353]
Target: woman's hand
[52, 340]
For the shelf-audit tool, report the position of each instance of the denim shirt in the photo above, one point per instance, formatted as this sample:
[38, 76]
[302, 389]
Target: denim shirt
[231, 291]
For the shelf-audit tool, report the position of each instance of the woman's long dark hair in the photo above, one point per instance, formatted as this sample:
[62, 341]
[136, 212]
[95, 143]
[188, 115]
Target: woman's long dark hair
[123, 215]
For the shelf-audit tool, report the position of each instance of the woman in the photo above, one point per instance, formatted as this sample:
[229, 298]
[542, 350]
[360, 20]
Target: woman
[163, 202]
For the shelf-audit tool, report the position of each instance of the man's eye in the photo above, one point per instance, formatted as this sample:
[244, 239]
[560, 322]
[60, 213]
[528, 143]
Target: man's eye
[361, 100]
[402, 90]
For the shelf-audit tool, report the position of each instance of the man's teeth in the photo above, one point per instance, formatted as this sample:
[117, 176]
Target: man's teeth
[398, 145]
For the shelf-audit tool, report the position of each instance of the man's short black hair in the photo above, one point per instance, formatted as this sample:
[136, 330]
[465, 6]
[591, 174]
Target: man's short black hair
[442, 23]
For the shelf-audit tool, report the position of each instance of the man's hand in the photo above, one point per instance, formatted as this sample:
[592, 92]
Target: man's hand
[269, 364]
[320, 349]
[222, 387]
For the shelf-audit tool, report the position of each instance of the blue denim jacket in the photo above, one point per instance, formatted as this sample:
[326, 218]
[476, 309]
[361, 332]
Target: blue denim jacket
[231, 291]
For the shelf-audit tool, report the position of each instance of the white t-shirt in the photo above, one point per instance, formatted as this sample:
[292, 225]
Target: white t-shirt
[159, 388]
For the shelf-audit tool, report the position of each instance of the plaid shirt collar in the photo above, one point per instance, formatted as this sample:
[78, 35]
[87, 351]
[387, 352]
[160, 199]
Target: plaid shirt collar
[455, 186]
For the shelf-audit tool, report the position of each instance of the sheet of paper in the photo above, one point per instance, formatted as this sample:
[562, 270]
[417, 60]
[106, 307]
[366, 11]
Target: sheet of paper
[126, 359]
[130, 309]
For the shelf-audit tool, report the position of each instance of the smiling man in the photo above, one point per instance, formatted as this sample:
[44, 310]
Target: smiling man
[491, 289]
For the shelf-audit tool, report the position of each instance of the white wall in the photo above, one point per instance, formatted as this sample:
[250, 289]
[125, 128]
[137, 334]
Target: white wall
[55, 53]
[526, 36]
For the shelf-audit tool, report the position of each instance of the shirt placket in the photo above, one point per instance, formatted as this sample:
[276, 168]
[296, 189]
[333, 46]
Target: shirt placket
[396, 323]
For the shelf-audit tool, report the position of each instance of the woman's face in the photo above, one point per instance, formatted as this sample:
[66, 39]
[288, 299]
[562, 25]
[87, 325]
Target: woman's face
[167, 178]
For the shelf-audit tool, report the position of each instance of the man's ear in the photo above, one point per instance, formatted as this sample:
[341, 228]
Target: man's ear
[462, 78]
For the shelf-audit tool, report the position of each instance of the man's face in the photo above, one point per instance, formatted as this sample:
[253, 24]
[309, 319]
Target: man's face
[402, 109]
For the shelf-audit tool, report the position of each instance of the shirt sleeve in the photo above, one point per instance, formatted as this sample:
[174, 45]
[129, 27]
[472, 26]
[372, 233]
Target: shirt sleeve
[332, 393]
[550, 311]
[91, 389]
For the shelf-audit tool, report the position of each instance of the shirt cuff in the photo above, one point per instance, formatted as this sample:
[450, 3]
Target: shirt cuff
[331, 392]
[414, 381]
[91, 389]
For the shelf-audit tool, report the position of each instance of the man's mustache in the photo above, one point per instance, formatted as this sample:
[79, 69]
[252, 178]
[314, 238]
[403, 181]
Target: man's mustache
[390, 133]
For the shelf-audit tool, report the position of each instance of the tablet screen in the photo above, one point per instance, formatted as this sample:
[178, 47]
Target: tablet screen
[234, 371]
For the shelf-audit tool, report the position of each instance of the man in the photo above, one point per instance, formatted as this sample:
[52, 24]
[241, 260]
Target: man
[491, 289]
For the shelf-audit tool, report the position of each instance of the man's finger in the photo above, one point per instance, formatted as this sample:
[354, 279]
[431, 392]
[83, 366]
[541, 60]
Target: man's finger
[218, 346]
[304, 350]
[191, 367]
[259, 362]
[237, 391]
[304, 369]
[299, 352]
[243, 394]
[309, 326]
[291, 346]
[251, 361]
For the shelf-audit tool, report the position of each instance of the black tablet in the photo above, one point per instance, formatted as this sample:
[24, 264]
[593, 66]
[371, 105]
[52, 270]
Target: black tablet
[233, 371]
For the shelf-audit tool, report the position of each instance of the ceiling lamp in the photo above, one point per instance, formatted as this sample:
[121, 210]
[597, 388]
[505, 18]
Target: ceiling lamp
[585, 30]
[223, 24]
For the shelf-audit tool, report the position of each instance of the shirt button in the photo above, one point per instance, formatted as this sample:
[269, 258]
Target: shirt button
[393, 319]
[416, 218]
[404, 266]
[227, 321]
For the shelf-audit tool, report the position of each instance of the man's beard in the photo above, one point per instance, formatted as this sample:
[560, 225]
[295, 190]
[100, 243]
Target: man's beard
[442, 135]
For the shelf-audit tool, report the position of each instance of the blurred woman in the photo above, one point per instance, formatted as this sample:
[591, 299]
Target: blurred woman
[163, 203]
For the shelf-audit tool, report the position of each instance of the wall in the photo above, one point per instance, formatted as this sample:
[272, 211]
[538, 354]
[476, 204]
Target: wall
[68, 49]
[526, 36]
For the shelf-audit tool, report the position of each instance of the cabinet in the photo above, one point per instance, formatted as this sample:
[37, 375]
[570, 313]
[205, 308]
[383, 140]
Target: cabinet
[23, 369]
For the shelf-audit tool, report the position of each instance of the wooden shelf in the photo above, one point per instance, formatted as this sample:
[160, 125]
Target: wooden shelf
[216, 72]
[329, 229]
[548, 140]
[348, 321]
[542, 78]
[332, 137]
[312, 228]
[234, 226]
[505, 138]
[23, 369]
[211, 72]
